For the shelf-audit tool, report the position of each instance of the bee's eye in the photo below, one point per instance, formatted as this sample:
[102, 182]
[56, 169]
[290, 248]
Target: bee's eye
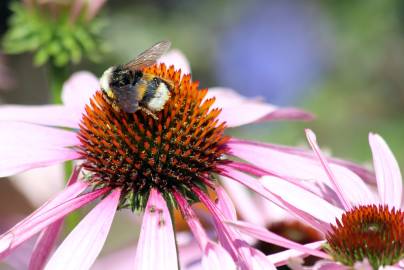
[156, 81]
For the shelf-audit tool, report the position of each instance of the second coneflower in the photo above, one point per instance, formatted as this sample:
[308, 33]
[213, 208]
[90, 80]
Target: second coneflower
[363, 229]
[131, 160]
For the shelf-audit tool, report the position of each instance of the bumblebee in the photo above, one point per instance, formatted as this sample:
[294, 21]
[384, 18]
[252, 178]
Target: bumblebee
[129, 89]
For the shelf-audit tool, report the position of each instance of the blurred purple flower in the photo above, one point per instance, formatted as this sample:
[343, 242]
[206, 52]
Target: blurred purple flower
[275, 50]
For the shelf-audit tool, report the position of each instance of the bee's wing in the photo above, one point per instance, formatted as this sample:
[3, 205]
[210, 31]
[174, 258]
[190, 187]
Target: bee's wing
[149, 56]
[126, 98]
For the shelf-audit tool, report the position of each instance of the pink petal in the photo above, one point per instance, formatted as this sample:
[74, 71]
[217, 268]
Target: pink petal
[330, 265]
[389, 181]
[311, 137]
[156, 237]
[177, 59]
[121, 259]
[258, 259]
[190, 255]
[364, 265]
[26, 146]
[50, 115]
[48, 237]
[41, 136]
[227, 236]
[302, 199]
[213, 254]
[78, 90]
[296, 168]
[282, 258]
[225, 204]
[288, 113]
[256, 186]
[270, 237]
[192, 220]
[238, 110]
[46, 241]
[41, 219]
[215, 257]
[360, 170]
[82, 246]
[19, 258]
[244, 202]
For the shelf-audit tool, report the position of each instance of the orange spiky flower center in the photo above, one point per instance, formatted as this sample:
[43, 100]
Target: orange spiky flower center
[371, 232]
[135, 152]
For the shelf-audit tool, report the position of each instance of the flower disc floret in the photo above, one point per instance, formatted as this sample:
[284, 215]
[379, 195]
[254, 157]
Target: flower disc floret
[135, 152]
[371, 232]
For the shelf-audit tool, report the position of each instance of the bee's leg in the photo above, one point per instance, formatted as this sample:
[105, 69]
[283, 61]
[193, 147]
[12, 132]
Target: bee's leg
[148, 112]
[115, 107]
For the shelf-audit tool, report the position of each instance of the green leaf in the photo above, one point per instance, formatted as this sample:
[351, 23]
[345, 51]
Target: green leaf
[41, 57]
[61, 59]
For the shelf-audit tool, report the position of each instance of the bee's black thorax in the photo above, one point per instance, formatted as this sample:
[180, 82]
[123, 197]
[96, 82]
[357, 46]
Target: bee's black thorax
[123, 76]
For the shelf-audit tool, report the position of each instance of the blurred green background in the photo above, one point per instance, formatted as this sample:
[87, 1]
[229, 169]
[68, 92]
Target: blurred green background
[342, 60]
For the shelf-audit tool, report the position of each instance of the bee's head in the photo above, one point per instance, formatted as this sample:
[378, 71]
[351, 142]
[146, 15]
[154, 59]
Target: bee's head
[106, 79]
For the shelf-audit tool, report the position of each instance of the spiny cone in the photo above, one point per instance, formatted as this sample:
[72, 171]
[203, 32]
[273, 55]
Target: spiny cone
[135, 152]
[372, 232]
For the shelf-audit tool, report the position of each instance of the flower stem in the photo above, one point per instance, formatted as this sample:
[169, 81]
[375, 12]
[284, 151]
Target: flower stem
[57, 76]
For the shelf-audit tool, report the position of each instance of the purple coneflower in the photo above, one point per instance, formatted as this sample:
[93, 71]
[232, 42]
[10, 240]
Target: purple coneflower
[131, 160]
[362, 229]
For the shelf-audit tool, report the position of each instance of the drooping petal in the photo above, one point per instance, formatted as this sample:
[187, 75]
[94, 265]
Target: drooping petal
[190, 255]
[49, 115]
[177, 59]
[192, 221]
[270, 237]
[388, 175]
[298, 168]
[82, 246]
[78, 89]
[18, 259]
[215, 257]
[228, 237]
[258, 259]
[282, 258]
[302, 199]
[40, 136]
[42, 249]
[225, 204]
[243, 201]
[311, 137]
[256, 185]
[238, 110]
[48, 237]
[25, 146]
[363, 172]
[156, 247]
[121, 259]
[213, 254]
[41, 219]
